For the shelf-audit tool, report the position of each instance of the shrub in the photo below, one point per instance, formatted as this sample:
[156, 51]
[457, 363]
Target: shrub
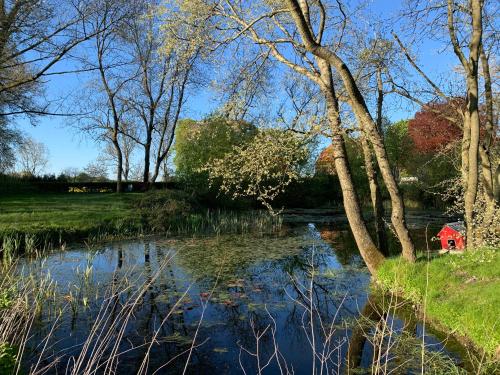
[160, 208]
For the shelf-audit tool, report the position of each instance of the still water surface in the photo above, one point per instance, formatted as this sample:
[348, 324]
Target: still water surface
[236, 285]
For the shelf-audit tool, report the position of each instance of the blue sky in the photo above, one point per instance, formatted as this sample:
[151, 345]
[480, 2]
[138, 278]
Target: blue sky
[68, 148]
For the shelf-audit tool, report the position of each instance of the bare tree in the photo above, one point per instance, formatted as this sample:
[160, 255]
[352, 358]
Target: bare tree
[268, 28]
[293, 33]
[469, 28]
[96, 171]
[34, 37]
[9, 139]
[127, 145]
[33, 157]
[112, 63]
[156, 95]
[311, 41]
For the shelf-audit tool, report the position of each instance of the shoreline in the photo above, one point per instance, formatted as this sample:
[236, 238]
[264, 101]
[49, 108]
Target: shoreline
[470, 306]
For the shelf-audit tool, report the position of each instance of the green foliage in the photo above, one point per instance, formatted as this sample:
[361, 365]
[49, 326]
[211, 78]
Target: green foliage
[315, 191]
[5, 298]
[261, 168]
[8, 357]
[431, 169]
[399, 146]
[462, 292]
[160, 209]
[357, 165]
[199, 142]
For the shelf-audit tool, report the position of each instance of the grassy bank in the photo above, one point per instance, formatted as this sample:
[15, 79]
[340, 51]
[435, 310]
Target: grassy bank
[33, 223]
[459, 293]
[32, 212]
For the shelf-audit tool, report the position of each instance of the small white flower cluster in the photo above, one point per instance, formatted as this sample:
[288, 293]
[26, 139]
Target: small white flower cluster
[262, 168]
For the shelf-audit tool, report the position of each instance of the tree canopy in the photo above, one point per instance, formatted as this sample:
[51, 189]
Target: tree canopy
[200, 142]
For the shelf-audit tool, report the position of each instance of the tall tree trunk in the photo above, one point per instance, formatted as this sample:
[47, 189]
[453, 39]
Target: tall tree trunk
[473, 152]
[147, 160]
[119, 163]
[490, 186]
[398, 211]
[363, 117]
[376, 197]
[367, 248]
[471, 136]
[375, 191]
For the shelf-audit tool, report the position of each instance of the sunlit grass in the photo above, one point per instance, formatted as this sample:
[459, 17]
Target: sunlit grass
[65, 211]
[34, 223]
[462, 294]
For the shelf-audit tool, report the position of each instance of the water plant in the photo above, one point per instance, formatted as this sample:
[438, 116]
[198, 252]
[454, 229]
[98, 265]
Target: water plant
[8, 358]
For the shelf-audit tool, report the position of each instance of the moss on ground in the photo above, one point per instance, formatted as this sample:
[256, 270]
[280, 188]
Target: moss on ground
[460, 292]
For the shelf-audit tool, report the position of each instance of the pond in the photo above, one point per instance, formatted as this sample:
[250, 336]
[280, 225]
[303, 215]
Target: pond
[152, 305]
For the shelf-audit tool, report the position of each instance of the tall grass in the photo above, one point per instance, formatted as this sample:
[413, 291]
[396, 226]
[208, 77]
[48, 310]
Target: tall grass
[15, 243]
[460, 292]
[226, 222]
[23, 296]
[22, 299]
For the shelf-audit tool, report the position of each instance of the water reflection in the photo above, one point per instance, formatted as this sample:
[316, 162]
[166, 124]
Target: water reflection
[302, 288]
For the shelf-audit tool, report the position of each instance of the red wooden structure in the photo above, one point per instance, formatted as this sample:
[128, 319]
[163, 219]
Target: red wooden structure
[452, 236]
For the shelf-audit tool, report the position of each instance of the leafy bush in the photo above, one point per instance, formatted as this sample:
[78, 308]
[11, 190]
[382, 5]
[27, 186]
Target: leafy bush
[261, 168]
[8, 355]
[160, 208]
[199, 142]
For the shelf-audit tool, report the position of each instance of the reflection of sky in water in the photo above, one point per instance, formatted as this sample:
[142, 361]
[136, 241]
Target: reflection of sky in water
[255, 273]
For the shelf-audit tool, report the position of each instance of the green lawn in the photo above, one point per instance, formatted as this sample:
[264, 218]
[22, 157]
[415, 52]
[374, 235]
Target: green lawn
[74, 215]
[21, 212]
[463, 293]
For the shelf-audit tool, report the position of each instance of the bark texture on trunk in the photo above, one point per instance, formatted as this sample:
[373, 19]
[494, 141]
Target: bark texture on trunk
[471, 128]
[375, 197]
[363, 117]
[367, 248]
[473, 160]
[487, 167]
[147, 158]
[375, 191]
[119, 164]
[397, 206]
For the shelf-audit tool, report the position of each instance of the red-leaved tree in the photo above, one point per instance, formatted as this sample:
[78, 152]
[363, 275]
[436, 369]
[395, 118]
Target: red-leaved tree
[325, 164]
[436, 126]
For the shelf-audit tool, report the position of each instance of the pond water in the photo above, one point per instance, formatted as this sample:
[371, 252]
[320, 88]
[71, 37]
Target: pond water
[224, 291]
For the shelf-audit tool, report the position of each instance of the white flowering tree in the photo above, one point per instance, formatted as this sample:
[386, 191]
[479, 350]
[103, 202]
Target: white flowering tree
[261, 168]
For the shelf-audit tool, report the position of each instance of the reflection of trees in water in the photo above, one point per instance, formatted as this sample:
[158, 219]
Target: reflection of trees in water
[205, 257]
[342, 242]
[385, 337]
[345, 248]
[271, 267]
[271, 278]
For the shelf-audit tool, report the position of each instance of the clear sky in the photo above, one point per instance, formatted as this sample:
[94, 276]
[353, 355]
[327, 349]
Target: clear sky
[68, 148]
